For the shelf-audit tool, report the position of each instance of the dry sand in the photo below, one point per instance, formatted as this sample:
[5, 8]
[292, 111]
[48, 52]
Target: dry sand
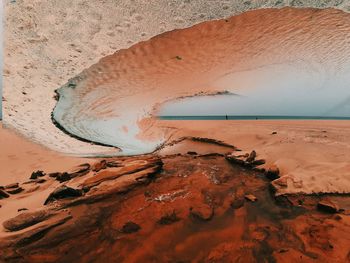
[46, 47]
[313, 156]
[20, 157]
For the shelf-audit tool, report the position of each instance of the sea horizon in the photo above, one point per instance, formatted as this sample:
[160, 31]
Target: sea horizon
[248, 117]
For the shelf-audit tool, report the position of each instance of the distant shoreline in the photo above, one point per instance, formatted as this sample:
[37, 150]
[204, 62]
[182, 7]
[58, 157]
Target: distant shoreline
[249, 117]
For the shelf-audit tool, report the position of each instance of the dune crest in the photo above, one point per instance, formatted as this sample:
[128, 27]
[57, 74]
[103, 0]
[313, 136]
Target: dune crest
[114, 101]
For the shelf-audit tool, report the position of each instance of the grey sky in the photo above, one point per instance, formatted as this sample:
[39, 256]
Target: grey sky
[274, 90]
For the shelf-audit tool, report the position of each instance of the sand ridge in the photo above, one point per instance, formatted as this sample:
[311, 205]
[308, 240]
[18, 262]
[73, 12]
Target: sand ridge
[36, 30]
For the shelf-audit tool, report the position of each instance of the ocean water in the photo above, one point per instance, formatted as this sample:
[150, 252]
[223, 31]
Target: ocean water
[250, 117]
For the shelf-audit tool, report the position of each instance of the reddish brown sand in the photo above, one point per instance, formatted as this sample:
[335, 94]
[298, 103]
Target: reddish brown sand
[19, 158]
[176, 207]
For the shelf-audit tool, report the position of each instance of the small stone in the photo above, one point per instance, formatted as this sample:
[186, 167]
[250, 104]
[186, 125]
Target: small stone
[37, 174]
[273, 133]
[63, 192]
[63, 177]
[202, 212]
[258, 162]
[54, 175]
[3, 194]
[251, 157]
[40, 181]
[15, 191]
[272, 172]
[191, 153]
[22, 209]
[25, 220]
[283, 250]
[99, 166]
[327, 206]
[130, 227]
[10, 186]
[168, 219]
[251, 197]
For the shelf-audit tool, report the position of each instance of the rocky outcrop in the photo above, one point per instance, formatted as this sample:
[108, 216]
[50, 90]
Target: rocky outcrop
[26, 219]
[150, 165]
[63, 192]
[3, 194]
[37, 174]
[247, 160]
[272, 173]
[130, 206]
[327, 206]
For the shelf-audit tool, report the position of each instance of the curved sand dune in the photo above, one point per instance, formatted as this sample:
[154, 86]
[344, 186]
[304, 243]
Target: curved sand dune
[45, 45]
[113, 102]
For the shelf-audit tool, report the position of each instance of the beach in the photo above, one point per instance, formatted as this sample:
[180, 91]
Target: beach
[90, 173]
[194, 188]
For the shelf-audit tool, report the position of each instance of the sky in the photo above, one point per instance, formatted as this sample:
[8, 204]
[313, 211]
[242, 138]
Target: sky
[279, 90]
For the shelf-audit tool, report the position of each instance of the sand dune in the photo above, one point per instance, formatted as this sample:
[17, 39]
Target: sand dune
[118, 96]
[114, 101]
[46, 46]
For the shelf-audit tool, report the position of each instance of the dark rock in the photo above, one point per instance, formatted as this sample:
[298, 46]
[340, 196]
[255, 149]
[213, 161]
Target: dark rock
[3, 194]
[191, 153]
[202, 212]
[273, 173]
[273, 133]
[99, 166]
[63, 177]
[114, 163]
[251, 197]
[237, 203]
[26, 219]
[327, 206]
[130, 227]
[9, 186]
[63, 192]
[37, 174]
[40, 181]
[22, 209]
[258, 162]
[54, 175]
[15, 191]
[168, 219]
[79, 170]
[251, 157]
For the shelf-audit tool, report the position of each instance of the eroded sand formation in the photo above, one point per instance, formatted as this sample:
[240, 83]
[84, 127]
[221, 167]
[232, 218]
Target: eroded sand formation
[46, 46]
[34, 69]
[114, 101]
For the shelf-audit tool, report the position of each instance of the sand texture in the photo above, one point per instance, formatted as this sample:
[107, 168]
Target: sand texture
[194, 207]
[114, 101]
[46, 47]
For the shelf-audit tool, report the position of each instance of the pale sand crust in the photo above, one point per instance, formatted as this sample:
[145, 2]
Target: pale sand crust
[312, 155]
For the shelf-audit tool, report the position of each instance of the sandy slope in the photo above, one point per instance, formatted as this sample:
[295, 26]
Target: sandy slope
[45, 45]
[19, 157]
[312, 155]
